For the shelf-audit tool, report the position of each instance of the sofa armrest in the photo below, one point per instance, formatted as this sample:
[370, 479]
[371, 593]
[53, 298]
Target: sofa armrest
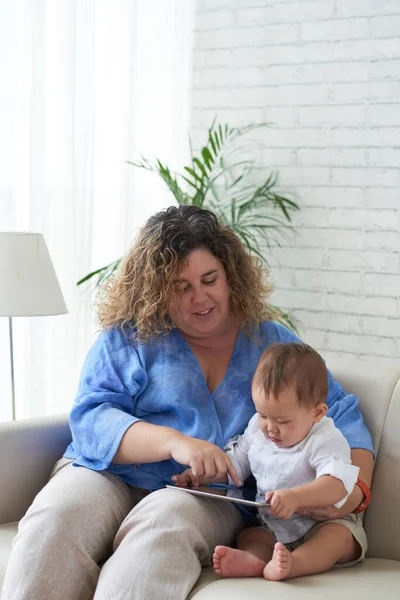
[28, 450]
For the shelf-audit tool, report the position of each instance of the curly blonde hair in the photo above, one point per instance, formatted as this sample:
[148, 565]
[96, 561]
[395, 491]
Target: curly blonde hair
[138, 294]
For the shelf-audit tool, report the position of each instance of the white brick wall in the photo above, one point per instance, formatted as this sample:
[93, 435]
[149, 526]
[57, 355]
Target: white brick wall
[327, 73]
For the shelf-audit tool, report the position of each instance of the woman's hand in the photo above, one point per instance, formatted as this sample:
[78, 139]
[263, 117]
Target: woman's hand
[205, 460]
[327, 513]
[187, 479]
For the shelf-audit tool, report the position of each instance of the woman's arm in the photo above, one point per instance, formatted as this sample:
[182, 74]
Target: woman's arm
[112, 376]
[364, 459]
[144, 443]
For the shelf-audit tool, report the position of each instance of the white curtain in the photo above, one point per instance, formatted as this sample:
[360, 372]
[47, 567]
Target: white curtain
[86, 86]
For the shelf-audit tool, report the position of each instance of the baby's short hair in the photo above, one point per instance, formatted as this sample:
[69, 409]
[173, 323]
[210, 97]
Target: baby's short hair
[294, 365]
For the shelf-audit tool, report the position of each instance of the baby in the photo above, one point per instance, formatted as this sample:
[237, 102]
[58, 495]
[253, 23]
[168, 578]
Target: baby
[299, 460]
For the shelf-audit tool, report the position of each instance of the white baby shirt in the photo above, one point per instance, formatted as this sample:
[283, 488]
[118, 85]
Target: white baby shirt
[324, 451]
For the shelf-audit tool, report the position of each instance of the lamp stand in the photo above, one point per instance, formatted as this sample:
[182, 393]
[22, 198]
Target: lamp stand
[12, 368]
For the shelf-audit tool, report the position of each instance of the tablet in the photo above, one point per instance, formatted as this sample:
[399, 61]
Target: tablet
[245, 496]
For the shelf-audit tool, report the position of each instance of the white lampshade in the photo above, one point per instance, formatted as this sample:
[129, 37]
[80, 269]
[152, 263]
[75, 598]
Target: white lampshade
[28, 283]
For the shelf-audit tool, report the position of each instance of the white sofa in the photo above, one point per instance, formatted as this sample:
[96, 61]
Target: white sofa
[29, 448]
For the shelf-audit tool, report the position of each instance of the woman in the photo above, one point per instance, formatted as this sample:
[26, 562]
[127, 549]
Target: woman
[165, 386]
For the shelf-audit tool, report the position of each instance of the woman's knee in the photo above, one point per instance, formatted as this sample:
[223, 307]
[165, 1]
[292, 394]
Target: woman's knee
[77, 502]
[53, 520]
[172, 512]
[167, 507]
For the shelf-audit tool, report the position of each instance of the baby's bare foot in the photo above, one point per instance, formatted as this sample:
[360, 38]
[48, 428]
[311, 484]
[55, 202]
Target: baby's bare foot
[280, 565]
[229, 562]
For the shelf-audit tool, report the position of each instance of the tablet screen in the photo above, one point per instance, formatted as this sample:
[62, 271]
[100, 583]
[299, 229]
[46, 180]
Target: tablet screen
[247, 496]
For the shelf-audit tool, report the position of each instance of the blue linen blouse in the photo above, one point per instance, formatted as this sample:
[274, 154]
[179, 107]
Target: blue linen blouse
[162, 383]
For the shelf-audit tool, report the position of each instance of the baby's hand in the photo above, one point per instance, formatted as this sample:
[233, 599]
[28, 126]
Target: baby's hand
[185, 479]
[283, 503]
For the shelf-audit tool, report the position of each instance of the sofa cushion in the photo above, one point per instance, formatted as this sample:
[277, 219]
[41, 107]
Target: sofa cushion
[7, 533]
[374, 578]
[382, 523]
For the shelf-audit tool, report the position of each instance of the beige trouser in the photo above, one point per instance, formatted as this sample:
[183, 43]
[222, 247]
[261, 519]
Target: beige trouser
[82, 516]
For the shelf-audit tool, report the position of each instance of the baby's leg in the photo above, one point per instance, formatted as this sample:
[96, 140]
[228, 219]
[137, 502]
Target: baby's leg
[332, 543]
[255, 546]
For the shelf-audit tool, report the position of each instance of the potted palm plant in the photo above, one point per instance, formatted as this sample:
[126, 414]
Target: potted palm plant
[222, 178]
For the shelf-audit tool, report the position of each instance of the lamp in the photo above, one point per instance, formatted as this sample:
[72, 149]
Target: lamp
[28, 284]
